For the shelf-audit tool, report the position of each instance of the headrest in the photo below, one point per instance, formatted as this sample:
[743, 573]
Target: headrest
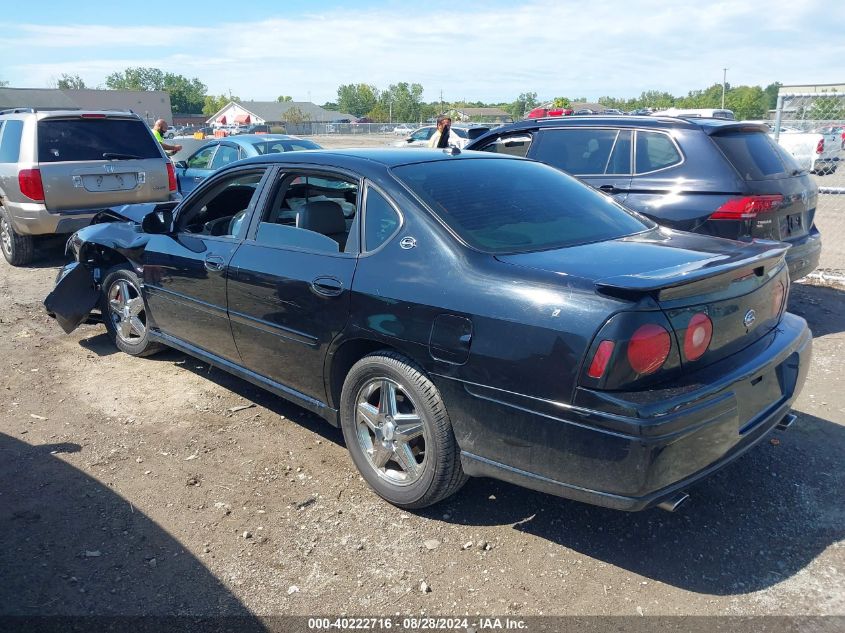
[322, 216]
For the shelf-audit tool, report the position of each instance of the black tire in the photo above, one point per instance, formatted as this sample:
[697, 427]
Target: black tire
[19, 250]
[122, 289]
[439, 474]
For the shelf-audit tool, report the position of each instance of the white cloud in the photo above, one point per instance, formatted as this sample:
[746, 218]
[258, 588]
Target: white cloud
[575, 49]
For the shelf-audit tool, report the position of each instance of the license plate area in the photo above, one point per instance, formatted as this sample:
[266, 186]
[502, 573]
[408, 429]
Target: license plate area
[792, 225]
[110, 182]
[756, 397]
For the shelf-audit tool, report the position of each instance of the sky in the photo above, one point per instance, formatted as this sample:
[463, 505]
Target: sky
[487, 51]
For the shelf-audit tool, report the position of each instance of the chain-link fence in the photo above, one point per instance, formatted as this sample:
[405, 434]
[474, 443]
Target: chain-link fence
[811, 127]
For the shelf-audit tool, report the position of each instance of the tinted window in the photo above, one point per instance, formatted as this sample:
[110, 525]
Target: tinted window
[10, 141]
[202, 159]
[578, 151]
[506, 206]
[754, 155]
[655, 150]
[277, 147]
[620, 157]
[225, 155]
[423, 134]
[516, 145]
[380, 220]
[93, 139]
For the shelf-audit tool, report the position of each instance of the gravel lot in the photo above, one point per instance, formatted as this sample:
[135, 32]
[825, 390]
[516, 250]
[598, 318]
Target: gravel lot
[163, 486]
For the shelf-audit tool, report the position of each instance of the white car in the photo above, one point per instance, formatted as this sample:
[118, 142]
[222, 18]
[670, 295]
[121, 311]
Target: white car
[459, 136]
[811, 150]
[403, 129]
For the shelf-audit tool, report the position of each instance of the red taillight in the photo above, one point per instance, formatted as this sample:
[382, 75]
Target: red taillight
[698, 336]
[649, 348]
[820, 146]
[30, 184]
[171, 176]
[601, 359]
[747, 208]
[777, 298]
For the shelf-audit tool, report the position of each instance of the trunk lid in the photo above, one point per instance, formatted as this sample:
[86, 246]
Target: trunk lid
[741, 287]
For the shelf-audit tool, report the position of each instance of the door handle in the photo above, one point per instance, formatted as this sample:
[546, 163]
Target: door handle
[214, 263]
[609, 189]
[197, 178]
[327, 286]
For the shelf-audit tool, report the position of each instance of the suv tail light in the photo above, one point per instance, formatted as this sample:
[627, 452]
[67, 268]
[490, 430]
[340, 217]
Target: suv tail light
[747, 208]
[820, 146]
[30, 184]
[171, 176]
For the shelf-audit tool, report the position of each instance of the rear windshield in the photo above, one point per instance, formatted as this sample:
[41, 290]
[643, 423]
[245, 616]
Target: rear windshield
[755, 156]
[94, 139]
[511, 206]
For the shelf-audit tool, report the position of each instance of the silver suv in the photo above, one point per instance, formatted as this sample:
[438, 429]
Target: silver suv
[58, 168]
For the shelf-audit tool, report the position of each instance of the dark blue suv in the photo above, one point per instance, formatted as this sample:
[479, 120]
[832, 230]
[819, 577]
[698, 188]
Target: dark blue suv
[712, 176]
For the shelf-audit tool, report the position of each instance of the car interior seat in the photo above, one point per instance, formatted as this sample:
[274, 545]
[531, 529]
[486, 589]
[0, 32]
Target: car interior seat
[324, 217]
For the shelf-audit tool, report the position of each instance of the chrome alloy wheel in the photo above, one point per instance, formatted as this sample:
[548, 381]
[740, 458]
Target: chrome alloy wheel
[5, 236]
[390, 432]
[126, 311]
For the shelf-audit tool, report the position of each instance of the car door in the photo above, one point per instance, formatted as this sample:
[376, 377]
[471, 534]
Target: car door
[196, 169]
[600, 157]
[421, 136]
[185, 272]
[290, 282]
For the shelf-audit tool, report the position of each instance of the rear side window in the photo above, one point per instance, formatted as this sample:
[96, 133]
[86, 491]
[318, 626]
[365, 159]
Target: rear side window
[225, 155]
[10, 140]
[380, 220]
[510, 206]
[655, 150]
[754, 155]
[515, 145]
[94, 139]
[582, 152]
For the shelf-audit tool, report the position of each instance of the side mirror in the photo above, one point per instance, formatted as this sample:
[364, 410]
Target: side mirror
[158, 222]
[180, 164]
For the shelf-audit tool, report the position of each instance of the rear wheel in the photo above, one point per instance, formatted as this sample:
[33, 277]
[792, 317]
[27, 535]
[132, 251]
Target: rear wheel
[398, 432]
[125, 313]
[19, 250]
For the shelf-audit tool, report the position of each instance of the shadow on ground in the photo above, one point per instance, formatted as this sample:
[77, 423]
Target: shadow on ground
[72, 546]
[822, 306]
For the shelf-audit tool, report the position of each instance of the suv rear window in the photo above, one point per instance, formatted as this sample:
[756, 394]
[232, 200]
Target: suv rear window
[754, 155]
[94, 139]
[513, 205]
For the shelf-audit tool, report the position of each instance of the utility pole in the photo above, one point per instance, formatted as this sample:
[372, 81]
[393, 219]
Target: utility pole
[724, 83]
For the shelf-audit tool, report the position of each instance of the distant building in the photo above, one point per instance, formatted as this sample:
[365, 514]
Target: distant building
[275, 113]
[150, 105]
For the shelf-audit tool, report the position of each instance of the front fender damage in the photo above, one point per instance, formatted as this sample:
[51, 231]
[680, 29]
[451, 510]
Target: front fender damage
[96, 248]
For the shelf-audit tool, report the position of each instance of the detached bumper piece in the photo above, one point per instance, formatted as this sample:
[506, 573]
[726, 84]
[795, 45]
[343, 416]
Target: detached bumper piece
[74, 296]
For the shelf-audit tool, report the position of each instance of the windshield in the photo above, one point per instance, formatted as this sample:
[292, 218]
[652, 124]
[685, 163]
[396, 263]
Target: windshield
[508, 206]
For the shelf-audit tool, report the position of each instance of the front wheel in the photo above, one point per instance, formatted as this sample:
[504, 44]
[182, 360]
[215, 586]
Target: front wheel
[125, 313]
[398, 432]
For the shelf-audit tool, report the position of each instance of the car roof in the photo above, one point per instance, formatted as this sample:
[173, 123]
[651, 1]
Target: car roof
[387, 157]
[249, 139]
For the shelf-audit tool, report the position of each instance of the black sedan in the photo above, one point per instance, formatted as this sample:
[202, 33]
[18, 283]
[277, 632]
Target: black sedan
[460, 314]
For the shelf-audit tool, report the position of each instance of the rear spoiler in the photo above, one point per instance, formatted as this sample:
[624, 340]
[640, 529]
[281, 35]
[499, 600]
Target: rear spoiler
[758, 258]
[733, 127]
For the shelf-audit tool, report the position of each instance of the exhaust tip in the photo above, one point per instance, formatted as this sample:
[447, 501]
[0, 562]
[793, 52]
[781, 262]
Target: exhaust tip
[674, 502]
[788, 420]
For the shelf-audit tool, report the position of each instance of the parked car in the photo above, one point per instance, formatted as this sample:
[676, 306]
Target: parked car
[709, 176]
[811, 150]
[403, 129]
[584, 111]
[58, 168]
[542, 112]
[710, 113]
[613, 112]
[460, 314]
[254, 128]
[221, 152]
[459, 135]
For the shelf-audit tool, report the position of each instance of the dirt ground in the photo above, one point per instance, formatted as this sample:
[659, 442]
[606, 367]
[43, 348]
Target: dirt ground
[143, 486]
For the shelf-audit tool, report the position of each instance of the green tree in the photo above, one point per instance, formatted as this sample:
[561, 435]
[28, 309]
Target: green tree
[136, 78]
[186, 95]
[561, 102]
[525, 102]
[747, 102]
[295, 115]
[771, 92]
[212, 104]
[404, 100]
[68, 82]
[284, 98]
[357, 99]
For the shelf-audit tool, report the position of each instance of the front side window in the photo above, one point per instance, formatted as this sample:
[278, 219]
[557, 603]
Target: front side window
[223, 210]
[655, 150]
[312, 211]
[83, 139]
[202, 159]
[510, 206]
[226, 154]
[423, 134]
[578, 151]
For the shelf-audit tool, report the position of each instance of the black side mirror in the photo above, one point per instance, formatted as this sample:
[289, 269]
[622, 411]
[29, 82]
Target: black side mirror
[180, 164]
[158, 222]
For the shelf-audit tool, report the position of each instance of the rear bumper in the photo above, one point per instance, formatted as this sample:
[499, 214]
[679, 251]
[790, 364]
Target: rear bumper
[803, 255]
[32, 218]
[632, 451]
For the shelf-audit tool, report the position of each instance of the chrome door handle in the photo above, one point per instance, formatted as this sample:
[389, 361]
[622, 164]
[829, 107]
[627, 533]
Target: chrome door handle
[327, 286]
[214, 263]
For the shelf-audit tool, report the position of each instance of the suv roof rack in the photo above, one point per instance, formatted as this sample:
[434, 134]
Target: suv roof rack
[17, 110]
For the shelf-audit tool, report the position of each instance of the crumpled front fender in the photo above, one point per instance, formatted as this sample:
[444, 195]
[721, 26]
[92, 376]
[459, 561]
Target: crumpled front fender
[75, 295]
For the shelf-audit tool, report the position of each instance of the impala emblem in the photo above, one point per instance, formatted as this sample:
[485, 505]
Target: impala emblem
[749, 319]
[109, 169]
[408, 242]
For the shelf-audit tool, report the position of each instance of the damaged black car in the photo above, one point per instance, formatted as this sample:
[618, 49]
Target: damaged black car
[460, 314]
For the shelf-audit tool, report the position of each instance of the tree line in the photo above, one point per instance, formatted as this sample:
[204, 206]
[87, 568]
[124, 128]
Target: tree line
[403, 101]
